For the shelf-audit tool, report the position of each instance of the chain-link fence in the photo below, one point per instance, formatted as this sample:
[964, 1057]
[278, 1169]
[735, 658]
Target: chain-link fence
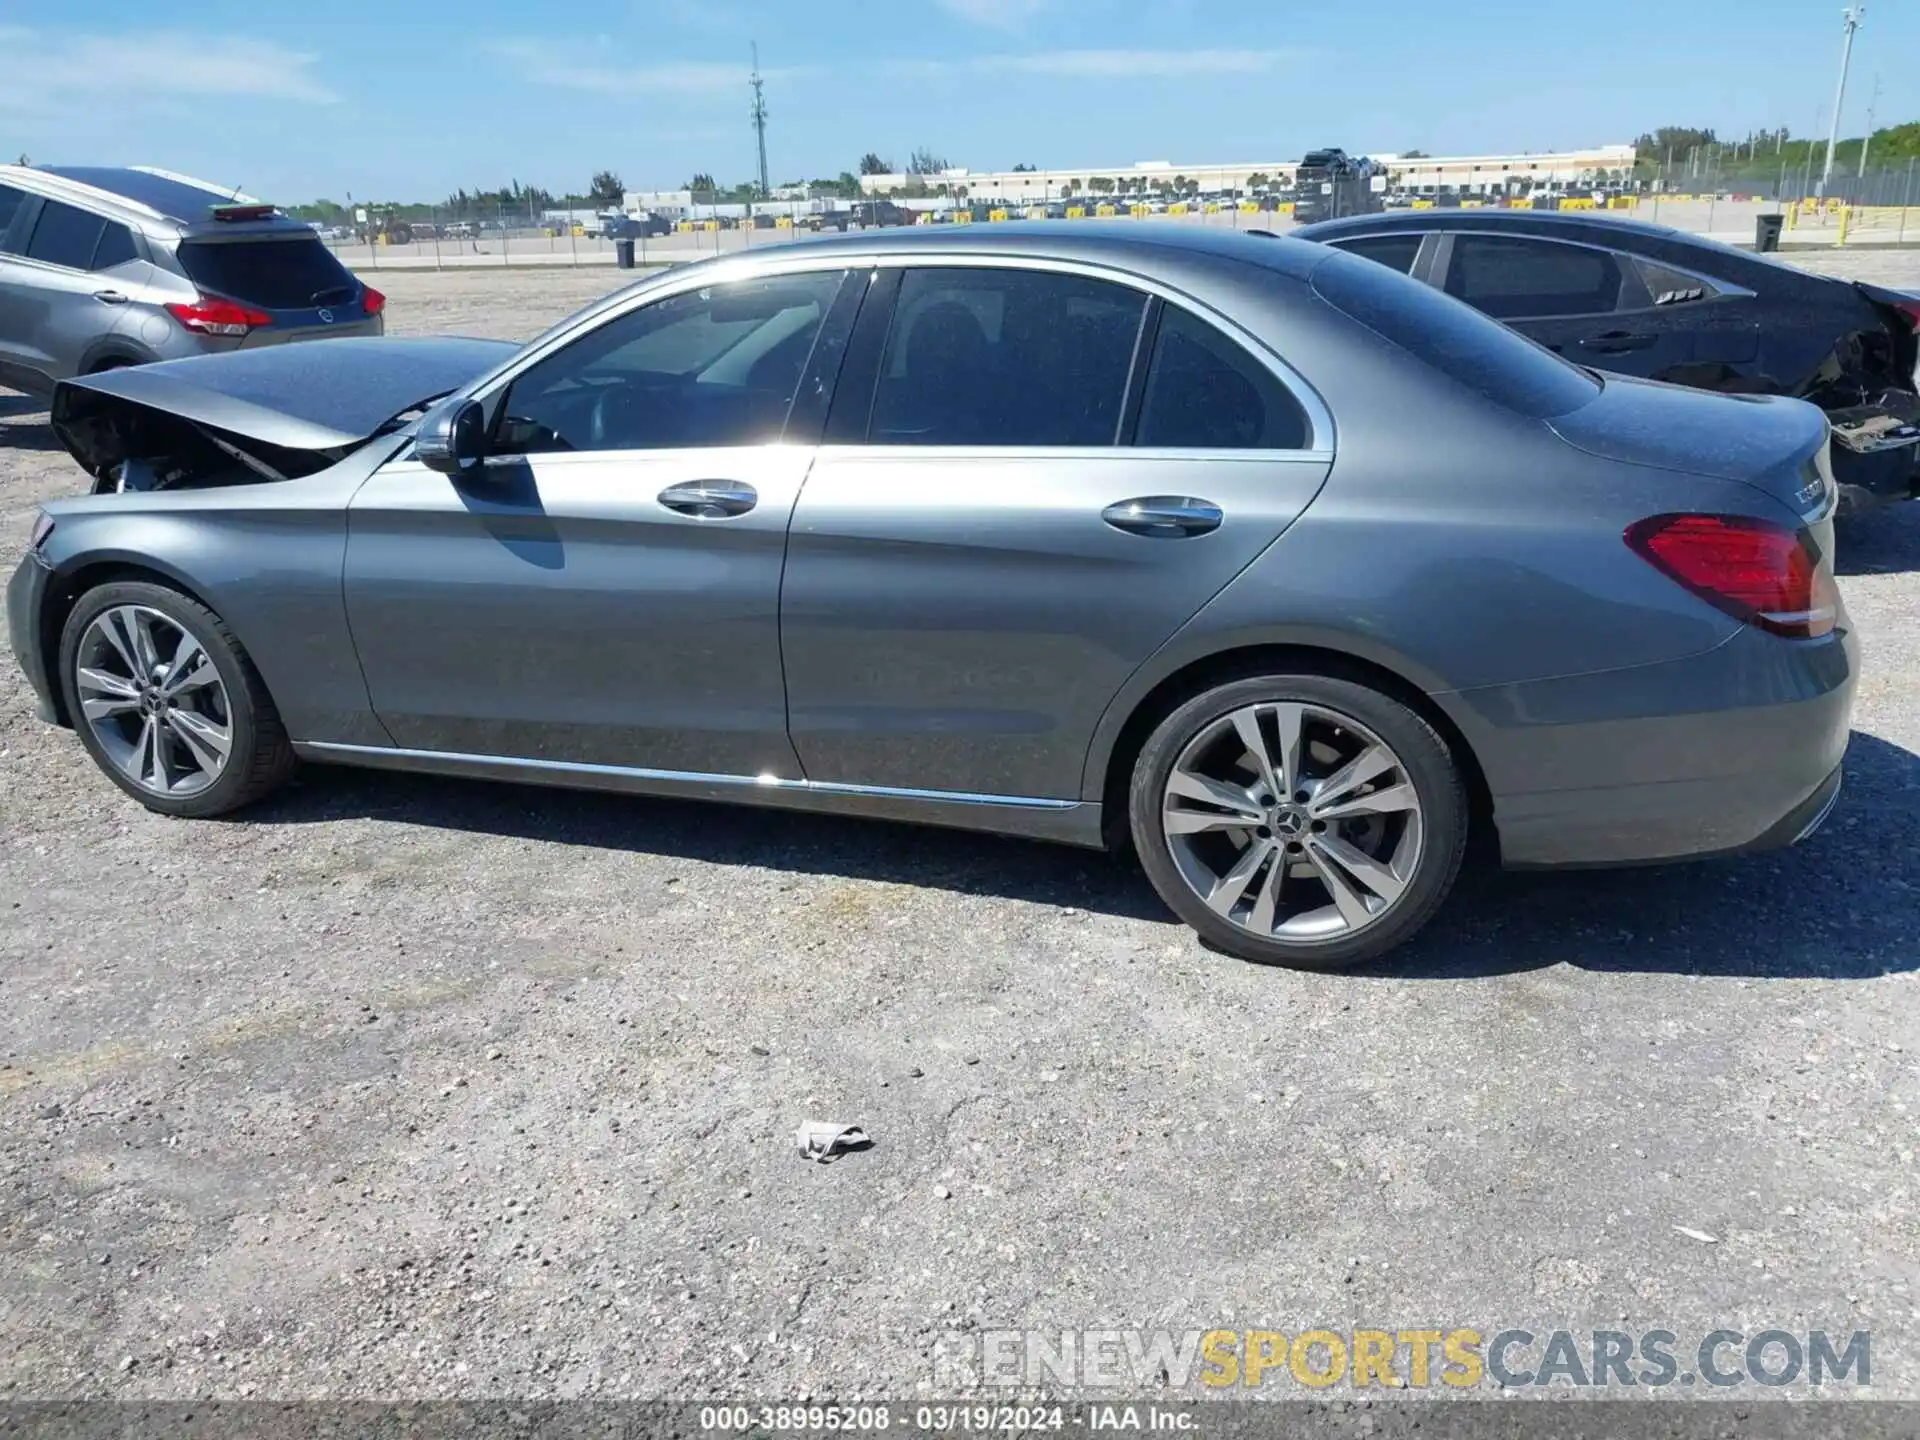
[1879, 206]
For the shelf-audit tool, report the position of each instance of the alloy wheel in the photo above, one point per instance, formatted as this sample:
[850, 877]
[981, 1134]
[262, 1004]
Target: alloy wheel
[1293, 822]
[154, 700]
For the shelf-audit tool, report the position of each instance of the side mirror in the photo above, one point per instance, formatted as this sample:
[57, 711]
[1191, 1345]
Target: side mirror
[452, 437]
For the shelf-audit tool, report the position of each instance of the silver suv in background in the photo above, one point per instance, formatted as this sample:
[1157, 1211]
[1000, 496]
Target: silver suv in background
[102, 267]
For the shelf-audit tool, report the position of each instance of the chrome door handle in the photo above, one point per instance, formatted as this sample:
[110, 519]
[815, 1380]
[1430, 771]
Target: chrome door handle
[112, 297]
[1164, 517]
[1613, 342]
[710, 499]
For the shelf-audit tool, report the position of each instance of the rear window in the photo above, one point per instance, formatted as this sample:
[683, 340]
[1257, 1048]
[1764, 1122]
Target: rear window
[1458, 340]
[274, 274]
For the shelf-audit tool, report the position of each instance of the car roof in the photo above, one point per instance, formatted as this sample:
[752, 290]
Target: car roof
[1128, 244]
[1542, 222]
[147, 192]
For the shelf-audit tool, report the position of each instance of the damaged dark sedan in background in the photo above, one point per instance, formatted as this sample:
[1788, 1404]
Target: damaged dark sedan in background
[1639, 299]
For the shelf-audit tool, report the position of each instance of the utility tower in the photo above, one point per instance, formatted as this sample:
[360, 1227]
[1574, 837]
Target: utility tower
[760, 123]
[1850, 18]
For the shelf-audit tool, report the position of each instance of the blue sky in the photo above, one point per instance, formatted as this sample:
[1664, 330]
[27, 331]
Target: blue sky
[403, 99]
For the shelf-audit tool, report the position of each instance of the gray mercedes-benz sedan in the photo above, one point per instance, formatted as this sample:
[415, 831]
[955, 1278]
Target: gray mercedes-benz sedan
[1285, 567]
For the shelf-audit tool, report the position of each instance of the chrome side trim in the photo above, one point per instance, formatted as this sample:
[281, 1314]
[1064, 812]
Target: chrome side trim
[1821, 818]
[322, 749]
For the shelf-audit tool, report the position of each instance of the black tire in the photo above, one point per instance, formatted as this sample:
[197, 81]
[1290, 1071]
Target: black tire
[1425, 757]
[260, 757]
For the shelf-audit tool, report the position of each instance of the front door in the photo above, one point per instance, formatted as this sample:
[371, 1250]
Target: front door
[606, 590]
[1011, 514]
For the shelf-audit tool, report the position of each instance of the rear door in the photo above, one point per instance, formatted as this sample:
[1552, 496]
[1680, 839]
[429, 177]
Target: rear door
[1034, 475]
[1582, 301]
[55, 306]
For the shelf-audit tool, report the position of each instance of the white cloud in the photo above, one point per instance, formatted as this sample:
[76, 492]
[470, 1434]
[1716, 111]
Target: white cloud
[565, 67]
[999, 14]
[46, 71]
[1135, 64]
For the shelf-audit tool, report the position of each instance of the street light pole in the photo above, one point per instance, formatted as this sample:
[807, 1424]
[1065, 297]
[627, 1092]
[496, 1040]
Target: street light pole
[1851, 18]
[1867, 144]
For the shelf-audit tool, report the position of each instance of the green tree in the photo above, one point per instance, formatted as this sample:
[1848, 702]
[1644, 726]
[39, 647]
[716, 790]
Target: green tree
[924, 162]
[872, 164]
[606, 188]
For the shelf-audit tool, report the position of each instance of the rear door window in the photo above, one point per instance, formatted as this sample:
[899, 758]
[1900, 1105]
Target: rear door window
[1515, 279]
[115, 247]
[1396, 252]
[1005, 357]
[291, 274]
[1204, 392]
[65, 236]
[1455, 339]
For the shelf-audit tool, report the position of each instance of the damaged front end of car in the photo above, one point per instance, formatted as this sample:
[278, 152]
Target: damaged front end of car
[253, 417]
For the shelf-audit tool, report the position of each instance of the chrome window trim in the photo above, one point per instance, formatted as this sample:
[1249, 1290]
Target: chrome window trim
[1322, 433]
[642, 775]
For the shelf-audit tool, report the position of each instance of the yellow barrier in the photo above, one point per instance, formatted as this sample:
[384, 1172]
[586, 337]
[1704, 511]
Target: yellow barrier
[1846, 215]
[1423, 205]
[996, 216]
[1247, 207]
[1213, 207]
[711, 225]
[1570, 203]
[963, 217]
[1139, 212]
[1179, 207]
[1522, 202]
[1285, 208]
[783, 222]
[1076, 212]
[1622, 202]
[1104, 211]
[685, 227]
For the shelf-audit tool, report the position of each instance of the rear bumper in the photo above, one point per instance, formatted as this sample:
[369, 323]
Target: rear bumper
[1732, 751]
[26, 600]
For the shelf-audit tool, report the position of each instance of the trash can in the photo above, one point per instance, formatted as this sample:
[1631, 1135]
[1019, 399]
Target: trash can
[1766, 232]
[623, 254]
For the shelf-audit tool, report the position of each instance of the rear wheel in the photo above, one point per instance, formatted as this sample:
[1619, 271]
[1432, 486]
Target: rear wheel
[167, 703]
[1299, 819]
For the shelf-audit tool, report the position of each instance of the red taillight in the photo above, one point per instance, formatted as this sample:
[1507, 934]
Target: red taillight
[211, 315]
[1910, 309]
[1756, 571]
[372, 300]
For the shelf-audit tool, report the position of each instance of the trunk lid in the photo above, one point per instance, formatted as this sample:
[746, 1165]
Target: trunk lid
[1775, 444]
[289, 409]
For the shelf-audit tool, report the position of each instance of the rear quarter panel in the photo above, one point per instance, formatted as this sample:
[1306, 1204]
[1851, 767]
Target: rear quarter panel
[1463, 547]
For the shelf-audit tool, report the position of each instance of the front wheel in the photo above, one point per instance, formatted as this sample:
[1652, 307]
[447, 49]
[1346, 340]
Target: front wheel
[167, 702]
[1301, 820]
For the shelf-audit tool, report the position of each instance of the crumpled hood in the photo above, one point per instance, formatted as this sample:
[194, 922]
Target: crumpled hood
[322, 396]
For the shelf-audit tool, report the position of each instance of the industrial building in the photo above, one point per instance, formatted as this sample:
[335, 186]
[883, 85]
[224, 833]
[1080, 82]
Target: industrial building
[1474, 174]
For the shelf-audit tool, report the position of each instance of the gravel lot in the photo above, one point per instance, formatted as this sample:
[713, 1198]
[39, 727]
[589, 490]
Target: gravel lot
[405, 1088]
